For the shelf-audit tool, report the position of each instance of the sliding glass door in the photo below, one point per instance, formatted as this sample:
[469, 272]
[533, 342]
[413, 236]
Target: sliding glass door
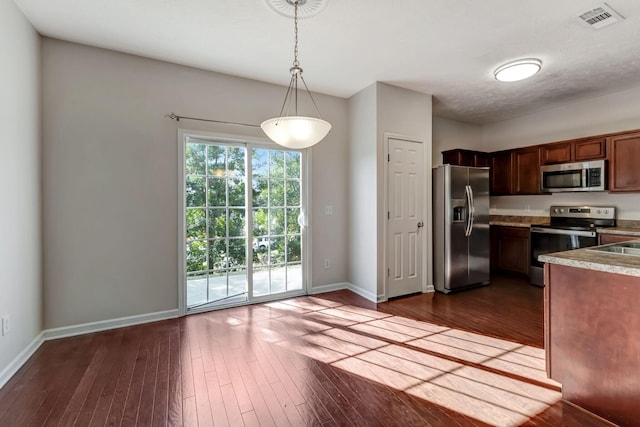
[241, 242]
[277, 238]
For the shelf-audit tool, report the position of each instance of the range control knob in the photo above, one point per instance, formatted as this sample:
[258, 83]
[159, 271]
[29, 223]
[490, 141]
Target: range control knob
[606, 211]
[599, 211]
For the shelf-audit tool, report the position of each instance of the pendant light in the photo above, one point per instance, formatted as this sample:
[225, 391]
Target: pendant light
[294, 131]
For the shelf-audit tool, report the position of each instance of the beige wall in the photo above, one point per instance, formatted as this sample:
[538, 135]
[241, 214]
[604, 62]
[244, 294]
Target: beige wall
[449, 134]
[110, 177]
[362, 191]
[20, 244]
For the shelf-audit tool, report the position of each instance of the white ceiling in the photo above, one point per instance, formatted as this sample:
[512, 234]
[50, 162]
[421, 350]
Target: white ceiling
[441, 47]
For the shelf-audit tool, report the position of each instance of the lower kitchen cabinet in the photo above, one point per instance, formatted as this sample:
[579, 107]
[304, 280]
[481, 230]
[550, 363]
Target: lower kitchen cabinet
[510, 249]
[591, 339]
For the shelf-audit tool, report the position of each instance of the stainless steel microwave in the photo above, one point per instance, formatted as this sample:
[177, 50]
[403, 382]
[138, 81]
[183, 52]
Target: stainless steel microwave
[582, 176]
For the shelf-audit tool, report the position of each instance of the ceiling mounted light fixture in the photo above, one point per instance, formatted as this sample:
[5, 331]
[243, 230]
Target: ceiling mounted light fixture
[518, 70]
[294, 131]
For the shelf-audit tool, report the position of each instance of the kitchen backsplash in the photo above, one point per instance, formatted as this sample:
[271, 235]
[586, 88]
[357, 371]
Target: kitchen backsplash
[627, 205]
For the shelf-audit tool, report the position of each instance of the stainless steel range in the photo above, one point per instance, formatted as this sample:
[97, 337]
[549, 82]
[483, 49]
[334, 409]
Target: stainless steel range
[570, 227]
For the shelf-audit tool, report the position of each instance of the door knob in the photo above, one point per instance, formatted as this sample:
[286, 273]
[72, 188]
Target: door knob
[420, 224]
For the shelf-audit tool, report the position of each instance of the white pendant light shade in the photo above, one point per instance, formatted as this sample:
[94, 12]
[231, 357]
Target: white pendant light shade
[296, 132]
[518, 70]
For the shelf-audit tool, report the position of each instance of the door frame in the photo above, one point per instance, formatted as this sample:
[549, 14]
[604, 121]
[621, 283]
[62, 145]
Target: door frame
[426, 239]
[306, 200]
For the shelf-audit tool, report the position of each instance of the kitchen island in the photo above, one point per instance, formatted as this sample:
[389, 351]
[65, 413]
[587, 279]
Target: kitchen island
[592, 331]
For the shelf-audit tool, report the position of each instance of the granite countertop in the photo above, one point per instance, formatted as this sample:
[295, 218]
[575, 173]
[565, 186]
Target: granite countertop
[511, 224]
[631, 231]
[594, 260]
[517, 221]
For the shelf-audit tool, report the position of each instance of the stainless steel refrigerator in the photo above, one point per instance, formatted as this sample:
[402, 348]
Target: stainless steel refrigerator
[460, 227]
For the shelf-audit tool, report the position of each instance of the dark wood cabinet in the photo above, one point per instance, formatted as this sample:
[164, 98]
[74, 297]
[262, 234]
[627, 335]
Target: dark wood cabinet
[526, 171]
[590, 149]
[556, 153]
[605, 238]
[591, 339]
[501, 172]
[515, 171]
[578, 150]
[461, 157]
[510, 249]
[624, 168]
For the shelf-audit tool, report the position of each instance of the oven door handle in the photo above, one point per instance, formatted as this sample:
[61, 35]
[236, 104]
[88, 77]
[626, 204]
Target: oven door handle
[541, 230]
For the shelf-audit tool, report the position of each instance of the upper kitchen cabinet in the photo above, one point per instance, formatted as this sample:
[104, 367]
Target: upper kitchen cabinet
[590, 149]
[624, 152]
[462, 157]
[526, 171]
[501, 172]
[573, 151]
[515, 171]
[561, 152]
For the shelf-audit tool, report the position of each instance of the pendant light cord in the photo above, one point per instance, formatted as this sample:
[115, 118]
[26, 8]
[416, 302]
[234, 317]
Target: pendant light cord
[296, 72]
[295, 32]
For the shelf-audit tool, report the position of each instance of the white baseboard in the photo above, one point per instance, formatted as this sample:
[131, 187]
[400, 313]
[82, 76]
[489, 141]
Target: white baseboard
[344, 285]
[329, 288]
[103, 325]
[85, 328]
[20, 360]
[363, 293]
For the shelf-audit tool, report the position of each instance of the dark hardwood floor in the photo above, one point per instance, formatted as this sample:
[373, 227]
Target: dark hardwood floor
[468, 359]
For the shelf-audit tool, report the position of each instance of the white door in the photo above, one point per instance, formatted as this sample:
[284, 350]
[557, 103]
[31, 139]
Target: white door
[405, 189]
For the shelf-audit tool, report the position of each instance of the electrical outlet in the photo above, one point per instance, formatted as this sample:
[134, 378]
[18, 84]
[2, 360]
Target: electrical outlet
[5, 325]
[326, 264]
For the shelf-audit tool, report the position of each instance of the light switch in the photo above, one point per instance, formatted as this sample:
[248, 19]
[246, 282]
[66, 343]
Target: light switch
[328, 209]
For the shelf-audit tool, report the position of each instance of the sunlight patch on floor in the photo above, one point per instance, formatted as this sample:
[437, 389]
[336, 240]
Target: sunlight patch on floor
[495, 381]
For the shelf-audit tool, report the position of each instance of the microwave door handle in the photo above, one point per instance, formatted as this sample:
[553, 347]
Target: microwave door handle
[584, 178]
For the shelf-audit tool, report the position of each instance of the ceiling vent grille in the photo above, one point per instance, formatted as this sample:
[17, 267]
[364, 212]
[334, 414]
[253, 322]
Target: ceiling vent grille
[600, 17]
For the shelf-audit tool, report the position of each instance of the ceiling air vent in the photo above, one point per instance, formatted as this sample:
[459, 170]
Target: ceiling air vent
[600, 16]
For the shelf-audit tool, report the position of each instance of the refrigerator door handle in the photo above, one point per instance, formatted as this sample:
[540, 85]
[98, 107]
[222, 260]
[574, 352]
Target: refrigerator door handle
[467, 229]
[472, 210]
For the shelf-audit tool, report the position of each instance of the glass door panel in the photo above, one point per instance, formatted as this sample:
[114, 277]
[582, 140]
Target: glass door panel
[277, 260]
[215, 224]
[230, 238]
